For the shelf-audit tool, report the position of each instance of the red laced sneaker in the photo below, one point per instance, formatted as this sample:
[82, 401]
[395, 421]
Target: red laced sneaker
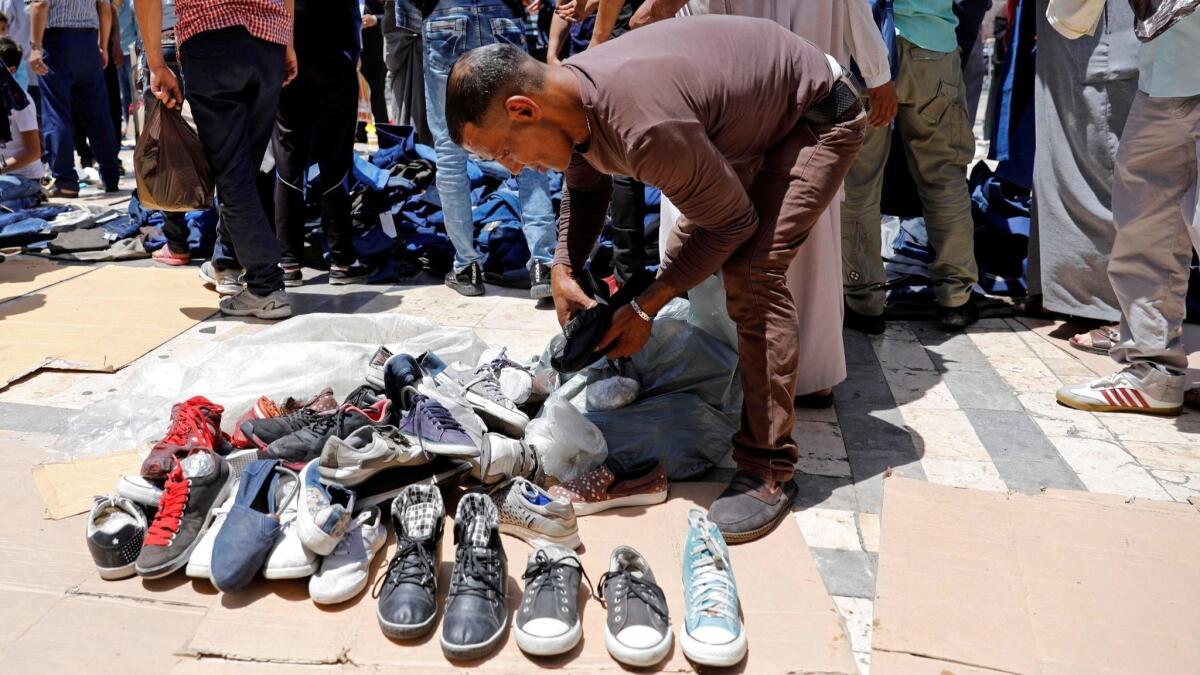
[194, 487]
[195, 425]
[170, 510]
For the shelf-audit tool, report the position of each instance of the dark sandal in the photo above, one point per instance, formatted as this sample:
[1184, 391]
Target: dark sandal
[1102, 339]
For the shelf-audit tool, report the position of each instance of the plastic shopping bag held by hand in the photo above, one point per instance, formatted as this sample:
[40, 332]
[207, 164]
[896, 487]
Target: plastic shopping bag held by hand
[172, 172]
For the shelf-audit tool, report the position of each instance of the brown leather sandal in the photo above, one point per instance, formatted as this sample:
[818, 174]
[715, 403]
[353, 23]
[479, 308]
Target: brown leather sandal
[1102, 339]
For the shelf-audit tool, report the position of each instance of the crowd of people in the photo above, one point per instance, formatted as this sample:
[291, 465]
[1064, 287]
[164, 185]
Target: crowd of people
[772, 154]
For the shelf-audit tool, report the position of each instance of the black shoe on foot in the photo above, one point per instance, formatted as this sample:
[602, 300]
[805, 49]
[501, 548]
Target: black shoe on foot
[292, 276]
[408, 597]
[468, 282]
[750, 507]
[476, 608]
[539, 281]
[815, 401]
[863, 323]
[356, 273]
[953, 319]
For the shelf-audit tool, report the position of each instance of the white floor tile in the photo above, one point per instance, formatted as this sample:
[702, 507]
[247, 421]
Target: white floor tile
[829, 528]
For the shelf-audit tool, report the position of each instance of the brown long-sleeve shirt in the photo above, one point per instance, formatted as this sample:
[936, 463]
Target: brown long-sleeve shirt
[689, 106]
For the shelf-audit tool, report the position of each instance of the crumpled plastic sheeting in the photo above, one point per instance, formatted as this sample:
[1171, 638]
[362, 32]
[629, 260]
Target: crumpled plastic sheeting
[298, 357]
[689, 404]
[567, 444]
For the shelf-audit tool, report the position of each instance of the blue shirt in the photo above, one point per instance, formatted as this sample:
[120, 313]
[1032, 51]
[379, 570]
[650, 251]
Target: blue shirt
[1169, 65]
[74, 14]
[928, 24]
[129, 29]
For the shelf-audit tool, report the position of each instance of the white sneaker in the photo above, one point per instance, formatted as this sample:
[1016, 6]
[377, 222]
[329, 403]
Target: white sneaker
[226, 282]
[246, 303]
[324, 511]
[199, 565]
[516, 380]
[140, 491]
[365, 452]
[115, 529]
[344, 572]
[527, 512]
[501, 458]
[289, 558]
[1119, 392]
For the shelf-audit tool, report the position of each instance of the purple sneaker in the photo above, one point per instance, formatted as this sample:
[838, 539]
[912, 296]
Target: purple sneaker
[430, 426]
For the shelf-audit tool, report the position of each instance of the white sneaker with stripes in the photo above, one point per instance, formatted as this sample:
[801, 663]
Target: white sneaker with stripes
[1119, 392]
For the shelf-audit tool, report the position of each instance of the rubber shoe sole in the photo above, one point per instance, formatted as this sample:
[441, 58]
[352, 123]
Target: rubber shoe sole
[114, 573]
[759, 533]
[475, 651]
[549, 645]
[646, 499]
[536, 539]
[632, 656]
[718, 656]
[402, 631]
[1097, 407]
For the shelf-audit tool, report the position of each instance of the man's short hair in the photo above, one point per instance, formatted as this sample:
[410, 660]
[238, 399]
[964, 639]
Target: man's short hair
[480, 77]
[3, 18]
[10, 53]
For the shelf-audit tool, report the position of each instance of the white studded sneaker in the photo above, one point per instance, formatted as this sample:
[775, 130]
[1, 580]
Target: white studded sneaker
[246, 303]
[529, 513]
[1119, 392]
[344, 572]
[115, 529]
[547, 621]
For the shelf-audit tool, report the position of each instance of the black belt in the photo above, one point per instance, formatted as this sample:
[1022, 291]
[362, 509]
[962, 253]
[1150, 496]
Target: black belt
[841, 104]
[72, 30]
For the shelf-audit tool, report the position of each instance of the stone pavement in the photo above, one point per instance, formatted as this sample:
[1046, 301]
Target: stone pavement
[971, 410]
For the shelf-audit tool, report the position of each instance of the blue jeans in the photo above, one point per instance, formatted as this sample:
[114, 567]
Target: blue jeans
[75, 84]
[454, 28]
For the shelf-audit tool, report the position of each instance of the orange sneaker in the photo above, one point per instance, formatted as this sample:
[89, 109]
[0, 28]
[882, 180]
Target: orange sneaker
[166, 256]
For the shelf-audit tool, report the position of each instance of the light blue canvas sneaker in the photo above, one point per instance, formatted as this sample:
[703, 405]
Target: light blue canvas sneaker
[712, 631]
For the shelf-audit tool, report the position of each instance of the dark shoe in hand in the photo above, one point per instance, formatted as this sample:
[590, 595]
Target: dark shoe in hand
[751, 507]
[863, 323]
[954, 319]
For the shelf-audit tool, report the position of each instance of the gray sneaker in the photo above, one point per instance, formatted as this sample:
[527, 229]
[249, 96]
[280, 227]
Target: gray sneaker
[365, 452]
[501, 458]
[227, 282]
[274, 306]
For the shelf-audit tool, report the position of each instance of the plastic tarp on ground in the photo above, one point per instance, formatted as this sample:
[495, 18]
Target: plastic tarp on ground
[297, 357]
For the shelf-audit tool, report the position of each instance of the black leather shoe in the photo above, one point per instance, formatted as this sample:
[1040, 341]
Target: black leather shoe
[408, 599]
[476, 607]
[953, 319]
[468, 282]
[864, 323]
[539, 281]
[750, 508]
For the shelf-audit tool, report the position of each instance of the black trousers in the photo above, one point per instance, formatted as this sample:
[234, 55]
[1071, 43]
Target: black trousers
[628, 228]
[233, 81]
[317, 116]
[375, 72]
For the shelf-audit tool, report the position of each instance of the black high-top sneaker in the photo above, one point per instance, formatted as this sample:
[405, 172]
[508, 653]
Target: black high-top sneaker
[408, 596]
[476, 613]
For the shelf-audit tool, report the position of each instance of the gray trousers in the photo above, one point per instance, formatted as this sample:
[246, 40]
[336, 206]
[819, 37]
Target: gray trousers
[1154, 205]
[938, 144]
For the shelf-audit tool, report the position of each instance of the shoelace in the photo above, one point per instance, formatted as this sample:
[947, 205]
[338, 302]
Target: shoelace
[543, 569]
[644, 590]
[712, 593]
[170, 509]
[323, 424]
[430, 410]
[188, 421]
[412, 564]
[477, 573]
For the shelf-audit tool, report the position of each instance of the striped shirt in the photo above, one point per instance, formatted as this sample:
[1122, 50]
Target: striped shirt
[264, 19]
[74, 14]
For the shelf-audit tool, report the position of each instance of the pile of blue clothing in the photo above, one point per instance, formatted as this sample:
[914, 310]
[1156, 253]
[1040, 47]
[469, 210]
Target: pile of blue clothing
[29, 226]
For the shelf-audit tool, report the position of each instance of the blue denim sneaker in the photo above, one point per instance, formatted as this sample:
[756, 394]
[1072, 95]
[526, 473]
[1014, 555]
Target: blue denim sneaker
[324, 511]
[251, 528]
[712, 629]
[429, 425]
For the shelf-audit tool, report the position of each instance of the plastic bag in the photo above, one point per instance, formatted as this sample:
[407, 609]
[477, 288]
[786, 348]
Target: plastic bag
[172, 171]
[565, 441]
[609, 388]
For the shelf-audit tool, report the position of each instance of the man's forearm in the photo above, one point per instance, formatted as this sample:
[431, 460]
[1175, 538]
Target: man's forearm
[104, 12]
[606, 19]
[581, 219]
[558, 31]
[149, 18]
[39, 13]
[655, 10]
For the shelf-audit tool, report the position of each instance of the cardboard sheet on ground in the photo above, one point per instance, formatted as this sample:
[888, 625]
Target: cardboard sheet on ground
[67, 488]
[791, 623]
[19, 276]
[980, 582]
[99, 321]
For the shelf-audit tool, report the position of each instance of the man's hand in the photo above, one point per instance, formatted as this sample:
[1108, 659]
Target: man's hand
[103, 57]
[369, 21]
[37, 63]
[164, 86]
[570, 11]
[532, 6]
[291, 66]
[569, 297]
[884, 104]
[627, 334]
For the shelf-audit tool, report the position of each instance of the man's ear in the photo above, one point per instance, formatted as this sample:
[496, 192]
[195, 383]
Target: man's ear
[522, 109]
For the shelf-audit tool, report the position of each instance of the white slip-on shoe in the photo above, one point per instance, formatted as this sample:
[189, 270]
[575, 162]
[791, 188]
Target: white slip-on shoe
[324, 511]
[289, 557]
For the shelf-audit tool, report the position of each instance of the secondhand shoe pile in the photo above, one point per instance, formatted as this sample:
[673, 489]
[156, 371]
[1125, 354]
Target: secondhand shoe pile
[296, 492]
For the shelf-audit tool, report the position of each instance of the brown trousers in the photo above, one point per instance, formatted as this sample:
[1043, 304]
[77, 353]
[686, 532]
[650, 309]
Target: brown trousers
[795, 183]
